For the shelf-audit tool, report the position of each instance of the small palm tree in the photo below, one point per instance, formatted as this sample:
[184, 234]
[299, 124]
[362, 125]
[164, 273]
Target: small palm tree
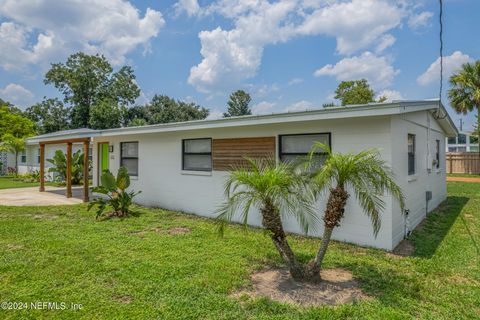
[277, 191]
[464, 95]
[364, 174]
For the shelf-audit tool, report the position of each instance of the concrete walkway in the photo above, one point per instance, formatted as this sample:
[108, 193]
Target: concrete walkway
[32, 197]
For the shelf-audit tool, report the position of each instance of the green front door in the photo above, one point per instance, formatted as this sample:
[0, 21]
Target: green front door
[103, 161]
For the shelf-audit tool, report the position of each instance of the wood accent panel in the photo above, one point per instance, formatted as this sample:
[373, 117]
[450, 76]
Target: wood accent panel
[230, 153]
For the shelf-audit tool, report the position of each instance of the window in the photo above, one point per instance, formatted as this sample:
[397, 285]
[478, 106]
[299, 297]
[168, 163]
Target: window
[452, 140]
[291, 147]
[23, 157]
[437, 154]
[129, 157]
[90, 154]
[474, 149]
[197, 154]
[473, 140]
[462, 139]
[452, 149]
[411, 154]
[38, 155]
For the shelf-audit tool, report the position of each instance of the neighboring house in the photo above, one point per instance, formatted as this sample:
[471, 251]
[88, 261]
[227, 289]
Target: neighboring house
[465, 141]
[7, 160]
[183, 166]
[29, 160]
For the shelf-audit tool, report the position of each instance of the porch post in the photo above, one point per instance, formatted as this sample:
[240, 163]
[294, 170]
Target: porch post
[68, 178]
[86, 145]
[42, 167]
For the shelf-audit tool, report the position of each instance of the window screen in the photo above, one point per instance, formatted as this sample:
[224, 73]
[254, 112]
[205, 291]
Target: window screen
[437, 153]
[197, 154]
[129, 157]
[293, 147]
[462, 139]
[411, 154]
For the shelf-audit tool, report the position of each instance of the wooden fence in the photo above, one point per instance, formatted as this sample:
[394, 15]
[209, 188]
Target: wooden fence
[463, 162]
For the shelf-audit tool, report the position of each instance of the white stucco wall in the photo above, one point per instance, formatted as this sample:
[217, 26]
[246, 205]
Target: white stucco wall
[415, 186]
[163, 184]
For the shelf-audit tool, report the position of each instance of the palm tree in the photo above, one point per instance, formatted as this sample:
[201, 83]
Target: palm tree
[13, 145]
[365, 175]
[277, 191]
[464, 95]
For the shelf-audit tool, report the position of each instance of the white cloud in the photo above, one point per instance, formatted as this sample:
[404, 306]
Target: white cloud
[190, 7]
[215, 114]
[377, 70]
[17, 95]
[391, 95]
[419, 20]
[450, 64]
[110, 27]
[231, 56]
[387, 41]
[355, 24]
[299, 106]
[263, 107]
[295, 81]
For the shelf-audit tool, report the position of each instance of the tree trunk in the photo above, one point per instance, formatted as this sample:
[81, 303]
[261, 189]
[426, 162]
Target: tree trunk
[272, 222]
[333, 214]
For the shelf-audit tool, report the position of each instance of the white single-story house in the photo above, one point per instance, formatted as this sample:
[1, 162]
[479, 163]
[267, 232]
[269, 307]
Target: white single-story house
[183, 166]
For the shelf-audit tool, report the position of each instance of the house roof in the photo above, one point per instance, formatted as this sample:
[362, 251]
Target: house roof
[341, 112]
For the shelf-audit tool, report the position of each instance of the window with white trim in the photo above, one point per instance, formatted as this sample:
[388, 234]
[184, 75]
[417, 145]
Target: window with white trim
[129, 157]
[411, 154]
[295, 146]
[197, 154]
[23, 157]
[437, 154]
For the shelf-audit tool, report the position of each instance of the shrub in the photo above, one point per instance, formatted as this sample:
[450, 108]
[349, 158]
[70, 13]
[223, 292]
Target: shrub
[59, 161]
[118, 198]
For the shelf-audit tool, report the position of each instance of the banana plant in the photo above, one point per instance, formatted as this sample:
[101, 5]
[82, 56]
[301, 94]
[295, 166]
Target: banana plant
[117, 196]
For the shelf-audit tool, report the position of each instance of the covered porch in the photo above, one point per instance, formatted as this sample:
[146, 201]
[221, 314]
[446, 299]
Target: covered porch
[85, 195]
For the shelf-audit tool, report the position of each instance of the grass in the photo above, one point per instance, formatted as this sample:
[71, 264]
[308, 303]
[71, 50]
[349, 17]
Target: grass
[468, 175]
[10, 183]
[133, 269]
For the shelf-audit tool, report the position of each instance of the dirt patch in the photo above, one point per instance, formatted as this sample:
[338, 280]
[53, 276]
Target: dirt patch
[122, 299]
[45, 217]
[337, 287]
[178, 231]
[464, 179]
[13, 246]
[404, 249]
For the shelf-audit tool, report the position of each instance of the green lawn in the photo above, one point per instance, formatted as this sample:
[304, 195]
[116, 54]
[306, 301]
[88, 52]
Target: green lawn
[133, 269]
[463, 175]
[9, 183]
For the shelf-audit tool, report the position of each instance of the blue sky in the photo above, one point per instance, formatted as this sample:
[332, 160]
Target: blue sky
[289, 54]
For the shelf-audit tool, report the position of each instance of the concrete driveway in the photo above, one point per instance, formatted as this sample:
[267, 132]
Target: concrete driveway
[32, 197]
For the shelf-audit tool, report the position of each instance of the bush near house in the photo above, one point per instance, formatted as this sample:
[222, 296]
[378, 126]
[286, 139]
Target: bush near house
[59, 162]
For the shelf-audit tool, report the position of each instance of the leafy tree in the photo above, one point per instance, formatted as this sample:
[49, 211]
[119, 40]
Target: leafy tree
[116, 191]
[136, 115]
[278, 192]
[14, 123]
[163, 109]
[50, 115]
[329, 105]
[59, 162]
[84, 80]
[14, 145]
[464, 95]
[238, 104]
[355, 92]
[364, 174]
[105, 114]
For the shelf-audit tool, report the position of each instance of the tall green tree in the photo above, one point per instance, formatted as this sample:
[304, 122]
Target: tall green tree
[134, 116]
[14, 123]
[355, 92]
[85, 80]
[238, 104]
[105, 114]
[163, 109]
[464, 95]
[365, 175]
[12, 144]
[278, 192]
[50, 115]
